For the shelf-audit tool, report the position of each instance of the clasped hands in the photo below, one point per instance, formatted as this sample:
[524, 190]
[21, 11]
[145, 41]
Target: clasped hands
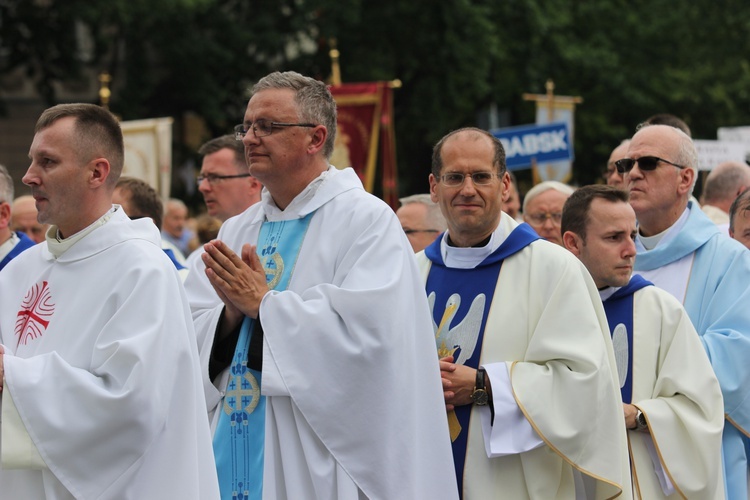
[458, 383]
[240, 282]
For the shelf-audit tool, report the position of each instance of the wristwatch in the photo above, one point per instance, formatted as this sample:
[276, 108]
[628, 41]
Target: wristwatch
[480, 397]
[640, 421]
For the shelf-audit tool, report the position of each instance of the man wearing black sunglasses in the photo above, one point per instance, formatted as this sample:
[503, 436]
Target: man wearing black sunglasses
[680, 250]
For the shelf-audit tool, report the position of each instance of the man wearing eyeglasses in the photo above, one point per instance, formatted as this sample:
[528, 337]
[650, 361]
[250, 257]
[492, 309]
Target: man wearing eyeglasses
[611, 176]
[528, 370]
[227, 186]
[680, 250]
[421, 219]
[12, 243]
[314, 331]
[542, 209]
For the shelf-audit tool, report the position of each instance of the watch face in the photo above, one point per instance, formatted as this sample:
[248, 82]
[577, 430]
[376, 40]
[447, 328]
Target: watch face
[480, 397]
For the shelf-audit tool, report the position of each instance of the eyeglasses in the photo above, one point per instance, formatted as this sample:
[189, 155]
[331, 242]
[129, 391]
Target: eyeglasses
[454, 179]
[540, 219]
[645, 163]
[413, 231]
[262, 128]
[215, 178]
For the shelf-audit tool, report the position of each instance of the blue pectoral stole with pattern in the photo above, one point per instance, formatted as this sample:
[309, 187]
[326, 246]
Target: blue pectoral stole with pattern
[460, 300]
[240, 432]
[619, 310]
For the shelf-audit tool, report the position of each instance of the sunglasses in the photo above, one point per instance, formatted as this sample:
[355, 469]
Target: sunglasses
[645, 163]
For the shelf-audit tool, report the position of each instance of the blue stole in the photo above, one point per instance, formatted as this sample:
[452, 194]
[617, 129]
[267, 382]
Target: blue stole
[460, 301]
[173, 258]
[240, 433]
[619, 309]
[24, 243]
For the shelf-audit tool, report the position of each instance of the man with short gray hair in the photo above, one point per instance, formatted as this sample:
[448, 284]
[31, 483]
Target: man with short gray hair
[421, 220]
[12, 242]
[308, 306]
[723, 184]
[542, 209]
[680, 250]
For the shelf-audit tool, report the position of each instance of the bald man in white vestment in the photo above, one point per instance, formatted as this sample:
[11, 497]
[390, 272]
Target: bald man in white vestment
[529, 373]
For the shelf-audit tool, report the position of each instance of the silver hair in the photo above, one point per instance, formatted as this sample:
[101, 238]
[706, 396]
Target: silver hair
[546, 186]
[314, 101]
[6, 185]
[434, 219]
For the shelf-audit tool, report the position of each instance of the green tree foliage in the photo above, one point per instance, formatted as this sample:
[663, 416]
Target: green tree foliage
[627, 59]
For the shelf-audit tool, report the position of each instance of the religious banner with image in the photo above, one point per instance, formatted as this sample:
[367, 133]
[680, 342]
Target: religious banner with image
[148, 152]
[365, 131]
[551, 108]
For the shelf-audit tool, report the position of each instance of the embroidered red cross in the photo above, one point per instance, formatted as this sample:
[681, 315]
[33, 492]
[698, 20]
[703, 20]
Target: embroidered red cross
[32, 320]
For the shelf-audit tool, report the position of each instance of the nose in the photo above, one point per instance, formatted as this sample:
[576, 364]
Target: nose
[629, 249]
[30, 178]
[468, 188]
[249, 138]
[635, 172]
[204, 186]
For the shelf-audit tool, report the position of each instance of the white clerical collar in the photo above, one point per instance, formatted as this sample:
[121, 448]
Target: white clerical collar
[9, 244]
[470, 257]
[58, 246]
[644, 243]
[606, 293]
[273, 212]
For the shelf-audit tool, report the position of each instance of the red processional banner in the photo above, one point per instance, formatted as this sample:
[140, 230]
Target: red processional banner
[365, 136]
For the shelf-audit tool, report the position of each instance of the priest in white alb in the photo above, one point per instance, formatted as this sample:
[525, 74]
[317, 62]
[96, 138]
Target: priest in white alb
[672, 401]
[529, 373]
[681, 251]
[315, 337]
[101, 390]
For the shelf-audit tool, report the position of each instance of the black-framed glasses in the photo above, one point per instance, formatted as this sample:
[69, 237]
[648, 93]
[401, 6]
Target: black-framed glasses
[262, 128]
[454, 179]
[609, 170]
[645, 163]
[216, 178]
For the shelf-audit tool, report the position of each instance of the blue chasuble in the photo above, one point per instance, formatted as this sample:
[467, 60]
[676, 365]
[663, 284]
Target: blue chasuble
[460, 300]
[24, 243]
[619, 309]
[240, 432]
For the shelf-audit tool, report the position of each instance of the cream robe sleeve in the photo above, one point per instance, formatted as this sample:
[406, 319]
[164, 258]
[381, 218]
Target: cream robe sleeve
[675, 387]
[562, 367]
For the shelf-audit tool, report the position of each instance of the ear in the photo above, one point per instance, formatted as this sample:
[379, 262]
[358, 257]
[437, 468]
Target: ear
[4, 215]
[433, 189]
[317, 139]
[731, 233]
[572, 242]
[100, 169]
[505, 179]
[687, 175]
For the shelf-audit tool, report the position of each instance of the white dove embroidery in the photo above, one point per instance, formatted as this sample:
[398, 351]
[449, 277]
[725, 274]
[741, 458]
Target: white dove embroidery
[464, 334]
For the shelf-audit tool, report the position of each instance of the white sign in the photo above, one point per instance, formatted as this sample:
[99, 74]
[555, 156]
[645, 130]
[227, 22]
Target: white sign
[736, 134]
[148, 152]
[711, 153]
